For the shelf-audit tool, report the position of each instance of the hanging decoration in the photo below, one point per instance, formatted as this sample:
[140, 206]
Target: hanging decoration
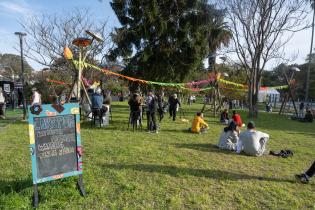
[191, 86]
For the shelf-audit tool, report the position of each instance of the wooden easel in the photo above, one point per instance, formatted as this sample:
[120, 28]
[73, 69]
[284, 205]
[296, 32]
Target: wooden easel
[216, 97]
[288, 96]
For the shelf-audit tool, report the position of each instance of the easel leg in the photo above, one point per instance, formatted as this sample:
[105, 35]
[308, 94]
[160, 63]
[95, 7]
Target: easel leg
[81, 186]
[35, 199]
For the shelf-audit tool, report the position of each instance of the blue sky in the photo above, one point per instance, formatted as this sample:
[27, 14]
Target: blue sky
[12, 11]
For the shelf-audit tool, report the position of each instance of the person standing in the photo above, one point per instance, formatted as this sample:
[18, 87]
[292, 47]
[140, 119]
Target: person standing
[36, 98]
[301, 110]
[151, 103]
[2, 104]
[135, 109]
[173, 104]
[160, 102]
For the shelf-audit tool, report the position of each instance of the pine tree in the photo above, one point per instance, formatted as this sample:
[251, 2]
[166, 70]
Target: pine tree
[162, 40]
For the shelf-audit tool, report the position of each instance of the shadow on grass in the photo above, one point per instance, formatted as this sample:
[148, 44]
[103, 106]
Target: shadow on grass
[176, 172]
[205, 148]
[7, 187]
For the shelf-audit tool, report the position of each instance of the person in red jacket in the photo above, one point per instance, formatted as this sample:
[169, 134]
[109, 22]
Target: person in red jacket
[237, 119]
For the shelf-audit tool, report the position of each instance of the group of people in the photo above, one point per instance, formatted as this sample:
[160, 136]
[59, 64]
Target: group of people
[152, 105]
[252, 142]
[224, 118]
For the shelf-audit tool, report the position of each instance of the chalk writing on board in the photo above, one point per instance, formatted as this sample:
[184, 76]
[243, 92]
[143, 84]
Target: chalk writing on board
[55, 145]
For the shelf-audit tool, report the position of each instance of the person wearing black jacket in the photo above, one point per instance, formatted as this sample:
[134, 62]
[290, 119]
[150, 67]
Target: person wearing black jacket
[173, 103]
[151, 103]
[135, 108]
[160, 109]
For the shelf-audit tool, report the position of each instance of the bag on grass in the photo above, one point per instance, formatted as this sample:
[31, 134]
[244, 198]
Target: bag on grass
[282, 153]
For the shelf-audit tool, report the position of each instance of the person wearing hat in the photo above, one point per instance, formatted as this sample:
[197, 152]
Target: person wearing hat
[252, 142]
[173, 104]
[36, 97]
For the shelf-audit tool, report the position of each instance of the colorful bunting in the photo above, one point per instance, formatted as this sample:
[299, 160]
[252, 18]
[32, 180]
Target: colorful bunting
[185, 86]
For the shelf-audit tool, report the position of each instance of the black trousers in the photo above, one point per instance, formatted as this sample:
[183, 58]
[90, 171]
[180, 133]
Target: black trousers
[161, 114]
[311, 171]
[172, 111]
[151, 121]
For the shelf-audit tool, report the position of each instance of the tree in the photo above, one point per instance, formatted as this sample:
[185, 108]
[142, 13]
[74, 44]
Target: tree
[166, 40]
[258, 28]
[310, 54]
[13, 62]
[219, 34]
[49, 34]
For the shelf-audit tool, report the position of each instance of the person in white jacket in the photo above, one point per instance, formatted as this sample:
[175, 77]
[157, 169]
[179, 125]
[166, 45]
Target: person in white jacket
[229, 137]
[252, 142]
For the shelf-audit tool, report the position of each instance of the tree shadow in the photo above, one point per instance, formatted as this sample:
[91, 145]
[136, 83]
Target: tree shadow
[206, 173]
[7, 187]
[205, 148]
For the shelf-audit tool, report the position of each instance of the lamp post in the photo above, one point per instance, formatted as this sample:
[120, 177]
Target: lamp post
[20, 35]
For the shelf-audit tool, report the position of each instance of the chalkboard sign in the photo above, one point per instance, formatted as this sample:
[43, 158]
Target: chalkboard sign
[55, 145]
[55, 141]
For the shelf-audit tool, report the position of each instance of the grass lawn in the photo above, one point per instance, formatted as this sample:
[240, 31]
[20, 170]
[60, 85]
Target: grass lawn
[169, 170]
[11, 116]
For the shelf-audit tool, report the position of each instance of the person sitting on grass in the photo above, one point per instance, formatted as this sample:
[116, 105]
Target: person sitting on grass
[305, 177]
[229, 137]
[224, 117]
[237, 119]
[252, 142]
[198, 124]
[308, 117]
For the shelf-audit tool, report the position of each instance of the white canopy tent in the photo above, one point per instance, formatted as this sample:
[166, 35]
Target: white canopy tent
[268, 94]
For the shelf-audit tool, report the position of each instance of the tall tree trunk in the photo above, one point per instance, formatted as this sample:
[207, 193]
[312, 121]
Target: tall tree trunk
[250, 96]
[309, 62]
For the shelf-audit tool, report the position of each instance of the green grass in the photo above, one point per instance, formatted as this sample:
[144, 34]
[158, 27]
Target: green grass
[10, 116]
[170, 170]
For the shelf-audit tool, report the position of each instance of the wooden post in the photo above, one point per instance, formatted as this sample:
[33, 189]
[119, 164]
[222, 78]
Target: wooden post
[79, 75]
[81, 186]
[35, 198]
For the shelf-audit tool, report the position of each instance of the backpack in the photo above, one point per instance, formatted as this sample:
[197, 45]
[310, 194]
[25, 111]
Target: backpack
[282, 153]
